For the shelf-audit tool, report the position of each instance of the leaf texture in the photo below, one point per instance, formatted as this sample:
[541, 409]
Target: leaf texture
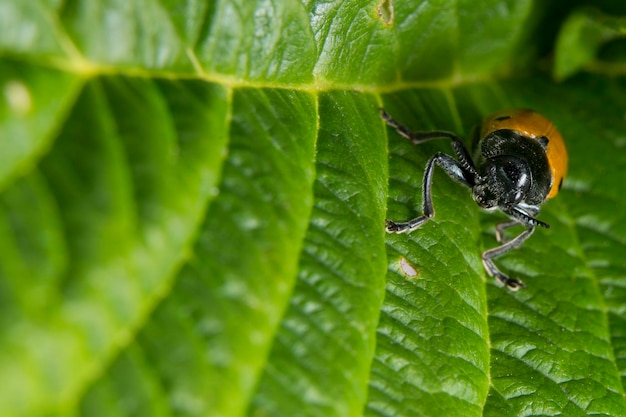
[192, 206]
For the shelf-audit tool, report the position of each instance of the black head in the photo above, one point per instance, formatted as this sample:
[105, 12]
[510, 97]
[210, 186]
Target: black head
[504, 181]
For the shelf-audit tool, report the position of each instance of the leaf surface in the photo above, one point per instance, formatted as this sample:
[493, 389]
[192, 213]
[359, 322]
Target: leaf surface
[193, 196]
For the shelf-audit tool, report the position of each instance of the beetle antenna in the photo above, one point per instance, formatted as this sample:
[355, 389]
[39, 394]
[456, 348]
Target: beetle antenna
[524, 218]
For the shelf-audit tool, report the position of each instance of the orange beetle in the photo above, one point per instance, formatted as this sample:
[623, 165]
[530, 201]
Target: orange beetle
[522, 163]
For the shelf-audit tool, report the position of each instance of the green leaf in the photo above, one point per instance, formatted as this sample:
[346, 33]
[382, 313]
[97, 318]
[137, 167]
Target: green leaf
[30, 29]
[564, 346]
[581, 38]
[192, 206]
[124, 207]
[547, 349]
[133, 34]
[36, 102]
[342, 261]
[433, 332]
[255, 40]
[244, 261]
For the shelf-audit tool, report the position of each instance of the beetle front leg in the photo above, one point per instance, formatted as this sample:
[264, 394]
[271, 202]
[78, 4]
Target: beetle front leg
[512, 283]
[453, 168]
[465, 161]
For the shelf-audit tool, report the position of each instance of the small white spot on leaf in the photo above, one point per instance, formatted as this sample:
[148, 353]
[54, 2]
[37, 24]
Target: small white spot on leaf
[18, 97]
[407, 268]
[385, 12]
[249, 223]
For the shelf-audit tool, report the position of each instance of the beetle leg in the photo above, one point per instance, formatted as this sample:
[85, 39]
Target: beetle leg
[453, 168]
[416, 137]
[420, 137]
[501, 227]
[528, 211]
[492, 269]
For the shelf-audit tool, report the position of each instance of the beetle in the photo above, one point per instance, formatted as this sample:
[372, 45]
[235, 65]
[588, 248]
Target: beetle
[521, 163]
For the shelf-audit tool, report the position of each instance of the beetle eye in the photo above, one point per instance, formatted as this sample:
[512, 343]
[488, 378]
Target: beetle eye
[514, 197]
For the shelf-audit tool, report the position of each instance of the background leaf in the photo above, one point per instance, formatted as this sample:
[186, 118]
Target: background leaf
[581, 39]
[192, 198]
